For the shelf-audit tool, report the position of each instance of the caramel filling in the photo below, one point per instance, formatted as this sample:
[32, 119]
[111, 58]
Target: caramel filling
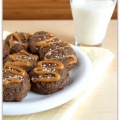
[17, 37]
[56, 78]
[39, 71]
[22, 62]
[26, 35]
[30, 55]
[59, 66]
[40, 43]
[74, 59]
[50, 43]
[19, 71]
[48, 53]
[12, 69]
[12, 43]
[11, 80]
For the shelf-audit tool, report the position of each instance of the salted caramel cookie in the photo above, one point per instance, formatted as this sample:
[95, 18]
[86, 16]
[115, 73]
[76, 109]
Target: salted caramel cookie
[40, 38]
[17, 41]
[59, 51]
[25, 60]
[16, 83]
[49, 77]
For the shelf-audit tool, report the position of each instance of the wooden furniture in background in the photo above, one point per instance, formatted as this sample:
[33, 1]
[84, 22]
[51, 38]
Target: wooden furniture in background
[39, 10]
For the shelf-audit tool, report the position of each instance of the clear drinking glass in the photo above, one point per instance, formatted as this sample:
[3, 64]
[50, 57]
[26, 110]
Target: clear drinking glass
[91, 18]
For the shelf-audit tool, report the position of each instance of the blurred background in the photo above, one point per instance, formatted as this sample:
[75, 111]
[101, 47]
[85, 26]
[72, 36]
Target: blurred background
[39, 10]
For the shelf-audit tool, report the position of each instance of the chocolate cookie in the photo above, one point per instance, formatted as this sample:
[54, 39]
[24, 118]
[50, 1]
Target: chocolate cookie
[16, 83]
[40, 38]
[59, 51]
[51, 46]
[49, 77]
[23, 59]
[17, 41]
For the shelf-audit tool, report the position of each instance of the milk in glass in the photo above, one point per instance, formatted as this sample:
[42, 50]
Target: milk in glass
[91, 18]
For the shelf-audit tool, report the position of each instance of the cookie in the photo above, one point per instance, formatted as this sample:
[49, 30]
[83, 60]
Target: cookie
[17, 41]
[16, 83]
[40, 38]
[49, 77]
[59, 51]
[23, 59]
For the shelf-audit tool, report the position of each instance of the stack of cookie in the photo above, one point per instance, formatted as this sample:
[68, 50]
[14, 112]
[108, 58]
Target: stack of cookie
[40, 62]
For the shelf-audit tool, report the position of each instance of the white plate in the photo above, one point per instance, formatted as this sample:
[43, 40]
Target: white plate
[33, 102]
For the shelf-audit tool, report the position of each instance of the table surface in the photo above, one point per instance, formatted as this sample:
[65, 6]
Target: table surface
[102, 103]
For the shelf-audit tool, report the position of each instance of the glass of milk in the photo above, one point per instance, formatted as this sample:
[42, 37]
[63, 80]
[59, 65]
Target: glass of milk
[91, 18]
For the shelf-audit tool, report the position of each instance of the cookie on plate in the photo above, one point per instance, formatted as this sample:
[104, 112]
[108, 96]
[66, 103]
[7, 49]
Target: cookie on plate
[17, 41]
[40, 38]
[23, 59]
[49, 77]
[16, 83]
[59, 51]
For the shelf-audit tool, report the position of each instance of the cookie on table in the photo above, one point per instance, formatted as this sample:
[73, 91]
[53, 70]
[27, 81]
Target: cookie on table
[59, 51]
[17, 41]
[16, 83]
[49, 77]
[40, 38]
[6, 49]
[25, 60]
